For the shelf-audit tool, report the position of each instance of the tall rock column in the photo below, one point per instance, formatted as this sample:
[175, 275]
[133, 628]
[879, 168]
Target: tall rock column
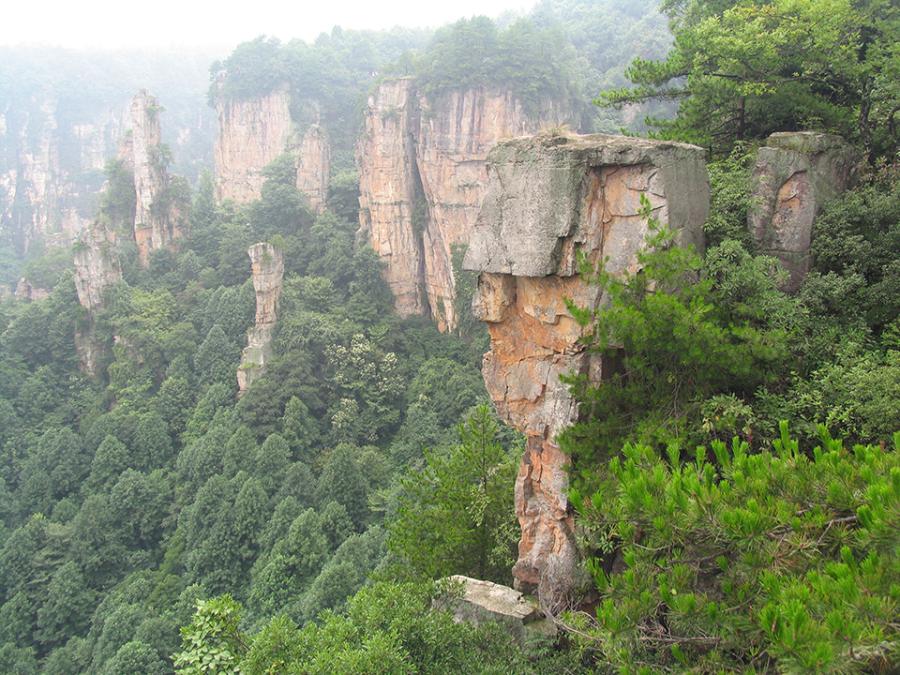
[156, 216]
[548, 199]
[314, 166]
[422, 178]
[97, 268]
[391, 214]
[268, 274]
[795, 174]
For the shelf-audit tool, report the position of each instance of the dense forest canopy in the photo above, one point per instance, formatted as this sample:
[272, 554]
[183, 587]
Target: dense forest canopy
[561, 51]
[735, 480]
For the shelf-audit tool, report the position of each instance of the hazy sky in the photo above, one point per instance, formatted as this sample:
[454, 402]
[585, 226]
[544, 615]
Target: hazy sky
[218, 23]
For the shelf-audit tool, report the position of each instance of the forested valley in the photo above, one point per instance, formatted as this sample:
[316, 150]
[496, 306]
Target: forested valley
[732, 480]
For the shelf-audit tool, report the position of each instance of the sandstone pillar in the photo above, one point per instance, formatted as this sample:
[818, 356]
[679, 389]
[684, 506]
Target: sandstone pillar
[548, 199]
[268, 274]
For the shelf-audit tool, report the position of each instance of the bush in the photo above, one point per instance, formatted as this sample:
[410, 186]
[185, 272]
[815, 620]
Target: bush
[780, 560]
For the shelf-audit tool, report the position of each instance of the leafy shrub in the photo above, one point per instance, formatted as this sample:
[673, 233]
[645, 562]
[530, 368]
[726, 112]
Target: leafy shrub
[726, 560]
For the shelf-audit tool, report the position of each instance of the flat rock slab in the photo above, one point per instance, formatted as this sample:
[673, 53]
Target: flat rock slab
[476, 602]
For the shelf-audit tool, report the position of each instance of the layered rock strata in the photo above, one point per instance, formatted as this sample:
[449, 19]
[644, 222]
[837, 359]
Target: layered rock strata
[268, 274]
[548, 200]
[255, 131]
[794, 175]
[422, 178]
[156, 215]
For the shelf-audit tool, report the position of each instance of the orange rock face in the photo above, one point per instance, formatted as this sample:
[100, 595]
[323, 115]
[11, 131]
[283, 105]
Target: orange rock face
[388, 187]
[252, 133]
[548, 200]
[423, 177]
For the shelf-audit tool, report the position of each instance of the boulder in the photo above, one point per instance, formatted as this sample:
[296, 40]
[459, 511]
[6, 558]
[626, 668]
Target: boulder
[477, 602]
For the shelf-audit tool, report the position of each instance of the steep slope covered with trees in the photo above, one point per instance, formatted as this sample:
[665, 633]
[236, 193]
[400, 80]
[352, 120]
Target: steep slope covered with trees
[735, 478]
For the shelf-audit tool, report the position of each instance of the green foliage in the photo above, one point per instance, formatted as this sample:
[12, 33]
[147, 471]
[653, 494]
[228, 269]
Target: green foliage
[729, 181]
[212, 643]
[859, 236]
[455, 515]
[118, 201]
[744, 70]
[387, 628]
[673, 344]
[726, 559]
[535, 63]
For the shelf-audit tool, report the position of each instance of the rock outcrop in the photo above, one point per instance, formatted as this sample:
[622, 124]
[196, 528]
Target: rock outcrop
[268, 273]
[422, 178]
[53, 154]
[97, 268]
[476, 602]
[28, 292]
[550, 198]
[391, 210]
[255, 131]
[314, 166]
[97, 265]
[252, 133]
[795, 174]
[156, 215]
[48, 172]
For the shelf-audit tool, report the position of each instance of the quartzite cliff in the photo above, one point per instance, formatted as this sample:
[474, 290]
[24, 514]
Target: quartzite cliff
[421, 163]
[255, 131]
[53, 155]
[157, 215]
[794, 175]
[547, 200]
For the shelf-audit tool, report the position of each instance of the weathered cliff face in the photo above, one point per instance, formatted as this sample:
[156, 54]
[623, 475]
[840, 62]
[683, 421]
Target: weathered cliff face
[794, 175]
[252, 133]
[28, 292]
[549, 198]
[97, 265]
[314, 166]
[156, 216]
[422, 178]
[388, 189]
[268, 273]
[455, 134]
